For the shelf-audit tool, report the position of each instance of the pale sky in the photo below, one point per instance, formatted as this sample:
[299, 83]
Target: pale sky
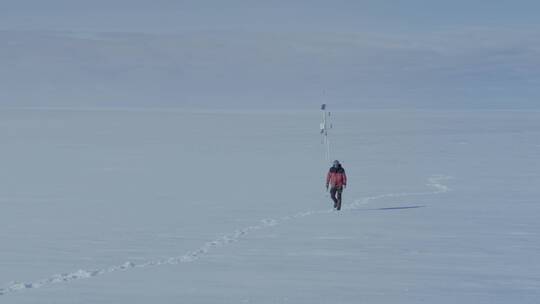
[374, 53]
[289, 15]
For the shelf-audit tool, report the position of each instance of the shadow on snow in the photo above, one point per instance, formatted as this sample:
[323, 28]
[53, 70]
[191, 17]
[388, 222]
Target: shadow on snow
[392, 208]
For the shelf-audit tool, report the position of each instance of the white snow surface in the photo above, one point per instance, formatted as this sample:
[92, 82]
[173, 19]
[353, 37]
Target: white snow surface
[172, 206]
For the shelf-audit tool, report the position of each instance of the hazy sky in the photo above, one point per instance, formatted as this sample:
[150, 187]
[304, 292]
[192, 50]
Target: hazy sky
[289, 15]
[362, 53]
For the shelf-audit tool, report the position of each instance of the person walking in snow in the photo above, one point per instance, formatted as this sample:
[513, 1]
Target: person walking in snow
[336, 180]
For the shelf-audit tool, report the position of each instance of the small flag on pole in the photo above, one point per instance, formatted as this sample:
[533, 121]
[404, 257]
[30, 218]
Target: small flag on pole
[324, 130]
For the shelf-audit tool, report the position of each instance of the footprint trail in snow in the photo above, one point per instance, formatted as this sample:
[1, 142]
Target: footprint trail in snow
[434, 182]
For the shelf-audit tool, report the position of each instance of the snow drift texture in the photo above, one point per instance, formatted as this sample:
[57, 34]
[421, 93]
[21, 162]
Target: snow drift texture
[138, 206]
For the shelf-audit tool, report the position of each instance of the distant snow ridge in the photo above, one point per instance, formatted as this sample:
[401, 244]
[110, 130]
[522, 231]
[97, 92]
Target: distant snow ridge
[434, 182]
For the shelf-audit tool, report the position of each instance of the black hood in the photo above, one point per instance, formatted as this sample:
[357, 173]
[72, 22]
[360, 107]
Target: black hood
[338, 169]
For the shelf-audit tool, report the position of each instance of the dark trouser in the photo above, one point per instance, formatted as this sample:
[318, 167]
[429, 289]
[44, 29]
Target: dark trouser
[337, 200]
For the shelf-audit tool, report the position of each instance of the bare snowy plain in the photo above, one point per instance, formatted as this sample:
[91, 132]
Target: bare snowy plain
[170, 206]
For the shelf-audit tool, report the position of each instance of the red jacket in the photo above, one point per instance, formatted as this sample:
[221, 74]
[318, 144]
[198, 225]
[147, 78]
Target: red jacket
[336, 177]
